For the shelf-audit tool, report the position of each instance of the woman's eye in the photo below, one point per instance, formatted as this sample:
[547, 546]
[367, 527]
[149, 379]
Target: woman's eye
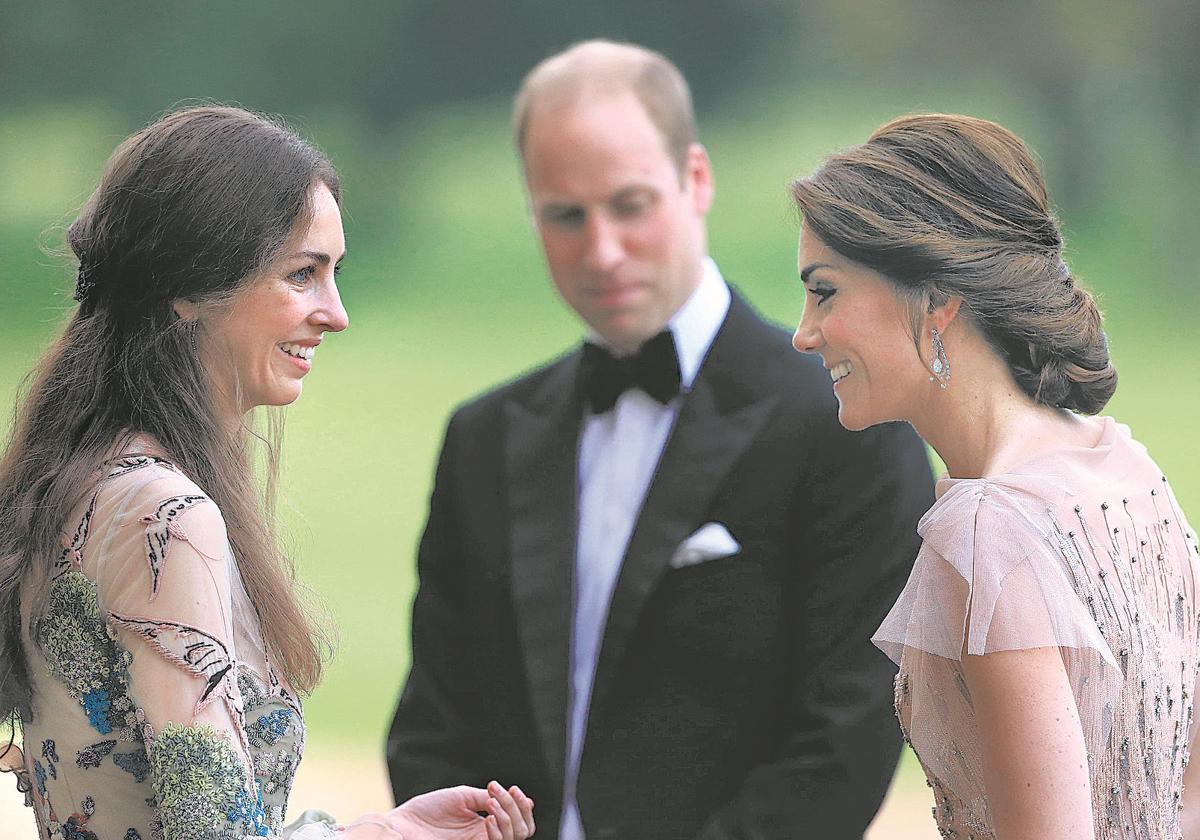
[823, 293]
[303, 275]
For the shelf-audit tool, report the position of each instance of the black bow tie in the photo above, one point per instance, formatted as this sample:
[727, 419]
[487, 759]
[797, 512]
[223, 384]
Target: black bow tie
[654, 368]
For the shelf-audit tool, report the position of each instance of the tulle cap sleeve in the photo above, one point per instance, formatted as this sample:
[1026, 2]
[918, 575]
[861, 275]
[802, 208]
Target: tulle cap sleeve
[993, 573]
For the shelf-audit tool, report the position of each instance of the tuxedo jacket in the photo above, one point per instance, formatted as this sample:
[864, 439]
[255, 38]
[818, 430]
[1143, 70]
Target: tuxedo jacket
[734, 698]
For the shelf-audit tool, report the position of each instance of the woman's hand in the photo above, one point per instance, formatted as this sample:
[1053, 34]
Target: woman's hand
[454, 814]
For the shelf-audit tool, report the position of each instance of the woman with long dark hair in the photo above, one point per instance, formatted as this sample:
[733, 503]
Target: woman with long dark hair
[154, 645]
[1048, 637]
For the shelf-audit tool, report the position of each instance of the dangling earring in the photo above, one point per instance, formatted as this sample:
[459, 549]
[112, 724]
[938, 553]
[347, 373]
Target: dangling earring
[941, 362]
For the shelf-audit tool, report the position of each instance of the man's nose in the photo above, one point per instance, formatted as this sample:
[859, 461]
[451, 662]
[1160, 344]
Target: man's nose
[604, 247]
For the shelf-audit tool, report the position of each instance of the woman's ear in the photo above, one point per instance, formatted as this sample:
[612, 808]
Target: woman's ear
[943, 309]
[187, 310]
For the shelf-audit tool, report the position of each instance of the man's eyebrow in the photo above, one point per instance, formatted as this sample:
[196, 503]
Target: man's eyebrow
[559, 207]
[809, 269]
[632, 190]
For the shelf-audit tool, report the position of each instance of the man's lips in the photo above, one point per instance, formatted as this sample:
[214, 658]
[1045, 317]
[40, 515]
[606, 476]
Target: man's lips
[617, 295]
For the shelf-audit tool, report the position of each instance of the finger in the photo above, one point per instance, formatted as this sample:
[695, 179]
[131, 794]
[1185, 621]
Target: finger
[502, 819]
[516, 819]
[493, 830]
[473, 798]
[526, 806]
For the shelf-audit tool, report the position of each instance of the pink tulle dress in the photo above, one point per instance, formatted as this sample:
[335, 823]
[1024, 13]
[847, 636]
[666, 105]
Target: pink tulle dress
[1083, 549]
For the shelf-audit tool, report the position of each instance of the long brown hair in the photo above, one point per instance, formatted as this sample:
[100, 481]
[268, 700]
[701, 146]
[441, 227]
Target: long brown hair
[190, 207]
[942, 205]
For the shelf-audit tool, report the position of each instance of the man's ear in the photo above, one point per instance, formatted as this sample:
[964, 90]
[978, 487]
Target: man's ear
[699, 175]
[187, 310]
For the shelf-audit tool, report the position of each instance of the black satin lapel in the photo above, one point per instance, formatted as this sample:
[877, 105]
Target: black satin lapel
[702, 449]
[540, 452]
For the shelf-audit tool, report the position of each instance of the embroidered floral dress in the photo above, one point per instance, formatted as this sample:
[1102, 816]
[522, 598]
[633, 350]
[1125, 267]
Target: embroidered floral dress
[1084, 549]
[157, 713]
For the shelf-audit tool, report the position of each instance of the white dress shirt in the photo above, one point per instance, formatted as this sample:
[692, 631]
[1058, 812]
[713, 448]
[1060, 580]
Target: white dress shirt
[619, 452]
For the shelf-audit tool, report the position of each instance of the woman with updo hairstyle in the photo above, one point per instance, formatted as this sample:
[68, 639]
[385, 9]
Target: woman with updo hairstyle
[1047, 637]
[154, 647]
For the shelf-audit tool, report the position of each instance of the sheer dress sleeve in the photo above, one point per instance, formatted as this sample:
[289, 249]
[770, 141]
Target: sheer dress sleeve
[995, 573]
[168, 588]
[164, 583]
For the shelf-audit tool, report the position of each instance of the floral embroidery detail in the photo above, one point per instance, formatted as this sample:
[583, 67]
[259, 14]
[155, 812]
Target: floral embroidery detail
[194, 780]
[75, 828]
[160, 527]
[269, 728]
[39, 773]
[136, 764]
[276, 726]
[277, 771]
[92, 756]
[84, 656]
[97, 705]
[251, 814]
[201, 785]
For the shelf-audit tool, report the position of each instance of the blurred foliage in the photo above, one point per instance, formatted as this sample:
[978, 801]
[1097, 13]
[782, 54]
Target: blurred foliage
[1113, 88]
[444, 282]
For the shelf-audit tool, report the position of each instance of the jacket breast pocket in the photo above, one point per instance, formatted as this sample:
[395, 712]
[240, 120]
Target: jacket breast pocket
[727, 607]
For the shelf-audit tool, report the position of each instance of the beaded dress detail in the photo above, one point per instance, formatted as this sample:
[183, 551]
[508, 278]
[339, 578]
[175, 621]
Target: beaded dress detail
[1084, 549]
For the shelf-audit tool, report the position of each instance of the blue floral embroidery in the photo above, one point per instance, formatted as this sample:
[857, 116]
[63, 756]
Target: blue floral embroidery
[97, 706]
[85, 658]
[132, 834]
[250, 814]
[39, 773]
[135, 763]
[270, 727]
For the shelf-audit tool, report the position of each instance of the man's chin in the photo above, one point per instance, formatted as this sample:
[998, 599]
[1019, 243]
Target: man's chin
[626, 335]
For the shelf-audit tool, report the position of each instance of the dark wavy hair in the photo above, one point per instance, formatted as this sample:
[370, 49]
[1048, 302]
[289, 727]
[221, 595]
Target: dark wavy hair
[947, 205]
[190, 207]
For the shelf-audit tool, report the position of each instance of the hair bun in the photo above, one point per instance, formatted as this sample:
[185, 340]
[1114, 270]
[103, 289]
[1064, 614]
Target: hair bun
[1073, 367]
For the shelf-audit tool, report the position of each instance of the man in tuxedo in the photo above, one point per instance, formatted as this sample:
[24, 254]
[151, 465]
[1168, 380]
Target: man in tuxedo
[652, 567]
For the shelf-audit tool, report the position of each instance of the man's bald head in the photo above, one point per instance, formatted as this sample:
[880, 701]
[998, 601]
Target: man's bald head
[593, 70]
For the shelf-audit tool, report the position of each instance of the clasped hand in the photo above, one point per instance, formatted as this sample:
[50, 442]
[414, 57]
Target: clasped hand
[461, 813]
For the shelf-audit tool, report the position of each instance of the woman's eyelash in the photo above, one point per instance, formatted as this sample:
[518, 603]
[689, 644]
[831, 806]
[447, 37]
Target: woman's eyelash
[823, 293]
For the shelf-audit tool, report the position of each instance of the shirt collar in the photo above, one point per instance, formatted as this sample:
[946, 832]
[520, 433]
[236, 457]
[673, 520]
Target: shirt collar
[696, 323]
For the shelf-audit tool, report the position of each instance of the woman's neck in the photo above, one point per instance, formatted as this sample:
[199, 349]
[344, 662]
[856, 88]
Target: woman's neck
[983, 424]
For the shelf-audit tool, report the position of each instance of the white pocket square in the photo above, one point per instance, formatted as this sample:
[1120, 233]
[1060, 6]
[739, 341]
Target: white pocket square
[709, 543]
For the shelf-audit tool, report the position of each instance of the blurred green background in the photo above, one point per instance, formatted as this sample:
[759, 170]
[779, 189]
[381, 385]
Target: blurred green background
[444, 283]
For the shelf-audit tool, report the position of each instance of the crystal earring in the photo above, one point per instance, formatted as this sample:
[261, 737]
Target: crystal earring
[941, 362]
